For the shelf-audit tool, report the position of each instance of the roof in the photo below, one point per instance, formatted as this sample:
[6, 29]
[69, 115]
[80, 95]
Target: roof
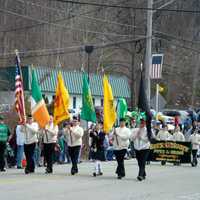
[47, 78]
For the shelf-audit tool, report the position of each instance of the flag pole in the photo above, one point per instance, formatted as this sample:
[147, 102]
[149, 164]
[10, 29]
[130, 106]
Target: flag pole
[157, 96]
[18, 62]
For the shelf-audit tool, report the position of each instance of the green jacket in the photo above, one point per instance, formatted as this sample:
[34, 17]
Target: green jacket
[4, 133]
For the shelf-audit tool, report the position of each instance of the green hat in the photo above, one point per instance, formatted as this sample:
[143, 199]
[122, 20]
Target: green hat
[1, 117]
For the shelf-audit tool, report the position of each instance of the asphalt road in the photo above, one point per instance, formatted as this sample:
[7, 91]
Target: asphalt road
[163, 183]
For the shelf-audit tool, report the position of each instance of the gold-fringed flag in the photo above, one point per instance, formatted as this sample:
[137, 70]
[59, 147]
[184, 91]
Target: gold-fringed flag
[61, 104]
[38, 107]
[160, 89]
[19, 92]
[108, 106]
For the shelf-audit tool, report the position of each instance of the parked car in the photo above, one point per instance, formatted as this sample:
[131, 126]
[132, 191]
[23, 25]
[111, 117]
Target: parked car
[164, 118]
[172, 113]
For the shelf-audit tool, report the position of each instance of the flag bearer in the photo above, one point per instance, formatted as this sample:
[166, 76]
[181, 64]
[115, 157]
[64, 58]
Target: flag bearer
[142, 148]
[30, 130]
[50, 133]
[121, 136]
[74, 133]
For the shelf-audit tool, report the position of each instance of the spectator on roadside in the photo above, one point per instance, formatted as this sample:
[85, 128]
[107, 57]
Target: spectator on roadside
[66, 149]
[106, 146]
[20, 145]
[4, 134]
[61, 143]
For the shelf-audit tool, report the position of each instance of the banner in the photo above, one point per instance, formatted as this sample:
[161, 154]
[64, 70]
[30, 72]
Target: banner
[171, 151]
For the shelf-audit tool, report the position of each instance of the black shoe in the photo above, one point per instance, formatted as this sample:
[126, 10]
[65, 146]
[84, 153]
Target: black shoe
[48, 171]
[100, 173]
[94, 174]
[18, 167]
[26, 171]
[119, 177]
[139, 178]
[73, 172]
[3, 170]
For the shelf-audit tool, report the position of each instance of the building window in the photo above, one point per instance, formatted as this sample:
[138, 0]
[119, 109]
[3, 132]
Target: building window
[74, 102]
[101, 102]
[93, 100]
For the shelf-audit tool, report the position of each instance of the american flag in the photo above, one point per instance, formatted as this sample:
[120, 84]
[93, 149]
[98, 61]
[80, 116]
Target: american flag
[19, 92]
[156, 67]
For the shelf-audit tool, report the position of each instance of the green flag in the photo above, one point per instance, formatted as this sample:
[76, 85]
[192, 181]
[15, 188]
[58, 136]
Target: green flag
[122, 108]
[38, 107]
[87, 111]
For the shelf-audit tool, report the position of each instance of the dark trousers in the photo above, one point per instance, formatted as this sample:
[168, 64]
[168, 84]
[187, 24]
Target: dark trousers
[2, 153]
[74, 153]
[194, 157]
[29, 153]
[48, 155]
[66, 152]
[141, 157]
[119, 154]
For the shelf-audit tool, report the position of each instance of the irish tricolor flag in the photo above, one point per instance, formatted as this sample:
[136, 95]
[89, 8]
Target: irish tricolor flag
[38, 108]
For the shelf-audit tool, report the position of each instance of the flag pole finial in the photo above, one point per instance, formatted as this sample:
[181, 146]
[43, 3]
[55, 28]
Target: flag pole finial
[16, 52]
[141, 67]
[82, 68]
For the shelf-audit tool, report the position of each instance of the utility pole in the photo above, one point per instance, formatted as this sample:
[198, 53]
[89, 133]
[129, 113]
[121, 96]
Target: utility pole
[88, 49]
[148, 55]
[133, 79]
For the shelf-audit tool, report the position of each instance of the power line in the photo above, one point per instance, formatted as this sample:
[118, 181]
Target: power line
[74, 15]
[181, 46]
[129, 7]
[175, 38]
[61, 26]
[40, 24]
[73, 49]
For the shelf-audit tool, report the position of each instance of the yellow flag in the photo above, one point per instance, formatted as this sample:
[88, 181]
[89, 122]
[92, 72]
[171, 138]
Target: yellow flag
[108, 107]
[61, 103]
[161, 89]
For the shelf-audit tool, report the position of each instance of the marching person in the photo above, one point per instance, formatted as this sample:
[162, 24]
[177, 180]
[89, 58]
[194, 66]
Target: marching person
[164, 134]
[142, 147]
[50, 133]
[195, 140]
[97, 148]
[178, 135]
[121, 142]
[30, 130]
[4, 134]
[74, 133]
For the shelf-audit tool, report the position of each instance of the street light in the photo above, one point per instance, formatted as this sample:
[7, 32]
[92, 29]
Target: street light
[89, 49]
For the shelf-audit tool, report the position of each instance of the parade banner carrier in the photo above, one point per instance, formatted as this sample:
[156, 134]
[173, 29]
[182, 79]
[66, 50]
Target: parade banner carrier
[171, 151]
